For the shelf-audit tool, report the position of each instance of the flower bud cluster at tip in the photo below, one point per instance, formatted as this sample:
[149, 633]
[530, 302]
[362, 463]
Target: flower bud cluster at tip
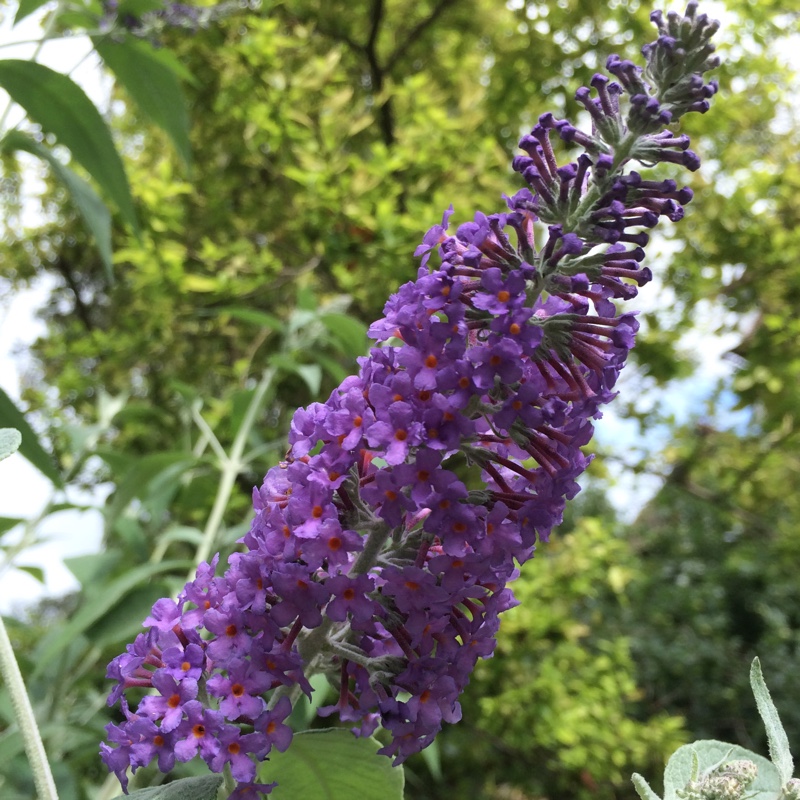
[729, 781]
[791, 790]
[370, 558]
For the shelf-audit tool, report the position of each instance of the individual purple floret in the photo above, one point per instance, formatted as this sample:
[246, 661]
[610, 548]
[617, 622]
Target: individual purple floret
[371, 557]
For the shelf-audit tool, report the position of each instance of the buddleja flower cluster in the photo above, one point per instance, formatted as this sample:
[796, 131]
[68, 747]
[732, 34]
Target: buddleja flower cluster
[151, 21]
[370, 559]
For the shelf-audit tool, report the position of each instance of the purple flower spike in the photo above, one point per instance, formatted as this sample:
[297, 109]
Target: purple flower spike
[368, 558]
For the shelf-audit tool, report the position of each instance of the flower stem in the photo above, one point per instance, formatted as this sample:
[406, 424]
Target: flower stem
[9, 669]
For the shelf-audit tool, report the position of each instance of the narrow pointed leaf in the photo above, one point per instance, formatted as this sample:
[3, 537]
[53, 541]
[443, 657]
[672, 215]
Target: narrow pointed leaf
[172, 62]
[37, 573]
[153, 86]
[349, 332]
[93, 210]
[7, 523]
[254, 317]
[62, 108]
[99, 600]
[26, 8]
[12, 417]
[776, 736]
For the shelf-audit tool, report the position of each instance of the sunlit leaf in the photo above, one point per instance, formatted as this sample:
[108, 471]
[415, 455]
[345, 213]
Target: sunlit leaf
[152, 84]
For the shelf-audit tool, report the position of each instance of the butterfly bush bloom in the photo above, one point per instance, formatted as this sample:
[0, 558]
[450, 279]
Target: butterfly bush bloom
[148, 23]
[369, 558]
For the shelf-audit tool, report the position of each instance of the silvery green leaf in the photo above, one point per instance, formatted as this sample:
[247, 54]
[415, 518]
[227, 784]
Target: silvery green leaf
[204, 788]
[10, 440]
[776, 736]
[643, 788]
[709, 755]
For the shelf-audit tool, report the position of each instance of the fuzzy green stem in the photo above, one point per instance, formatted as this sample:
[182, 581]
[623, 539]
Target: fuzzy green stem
[228, 783]
[367, 558]
[9, 669]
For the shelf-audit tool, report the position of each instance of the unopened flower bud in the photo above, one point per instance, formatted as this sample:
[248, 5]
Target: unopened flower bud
[791, 790]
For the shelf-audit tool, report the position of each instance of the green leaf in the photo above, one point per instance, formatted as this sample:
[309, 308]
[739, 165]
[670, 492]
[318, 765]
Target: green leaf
[93, 566]
[7, 523]
[204, 788]
[172, 62]
[432, 757]
[643, 788]
[98, 601]
[10, 440]
[87, 201]
[26, 8]
[141, 475]
[35, 572]
[30, 448]
[181, 533]
[254, 317]
[310, 373]
[305, 709]
[777, 740]
[152, 84]
[349, 332]
[332, 764]
[710, 754]
[61, 107]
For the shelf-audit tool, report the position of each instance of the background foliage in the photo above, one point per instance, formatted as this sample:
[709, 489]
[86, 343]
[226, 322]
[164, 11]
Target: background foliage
[325, 139]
